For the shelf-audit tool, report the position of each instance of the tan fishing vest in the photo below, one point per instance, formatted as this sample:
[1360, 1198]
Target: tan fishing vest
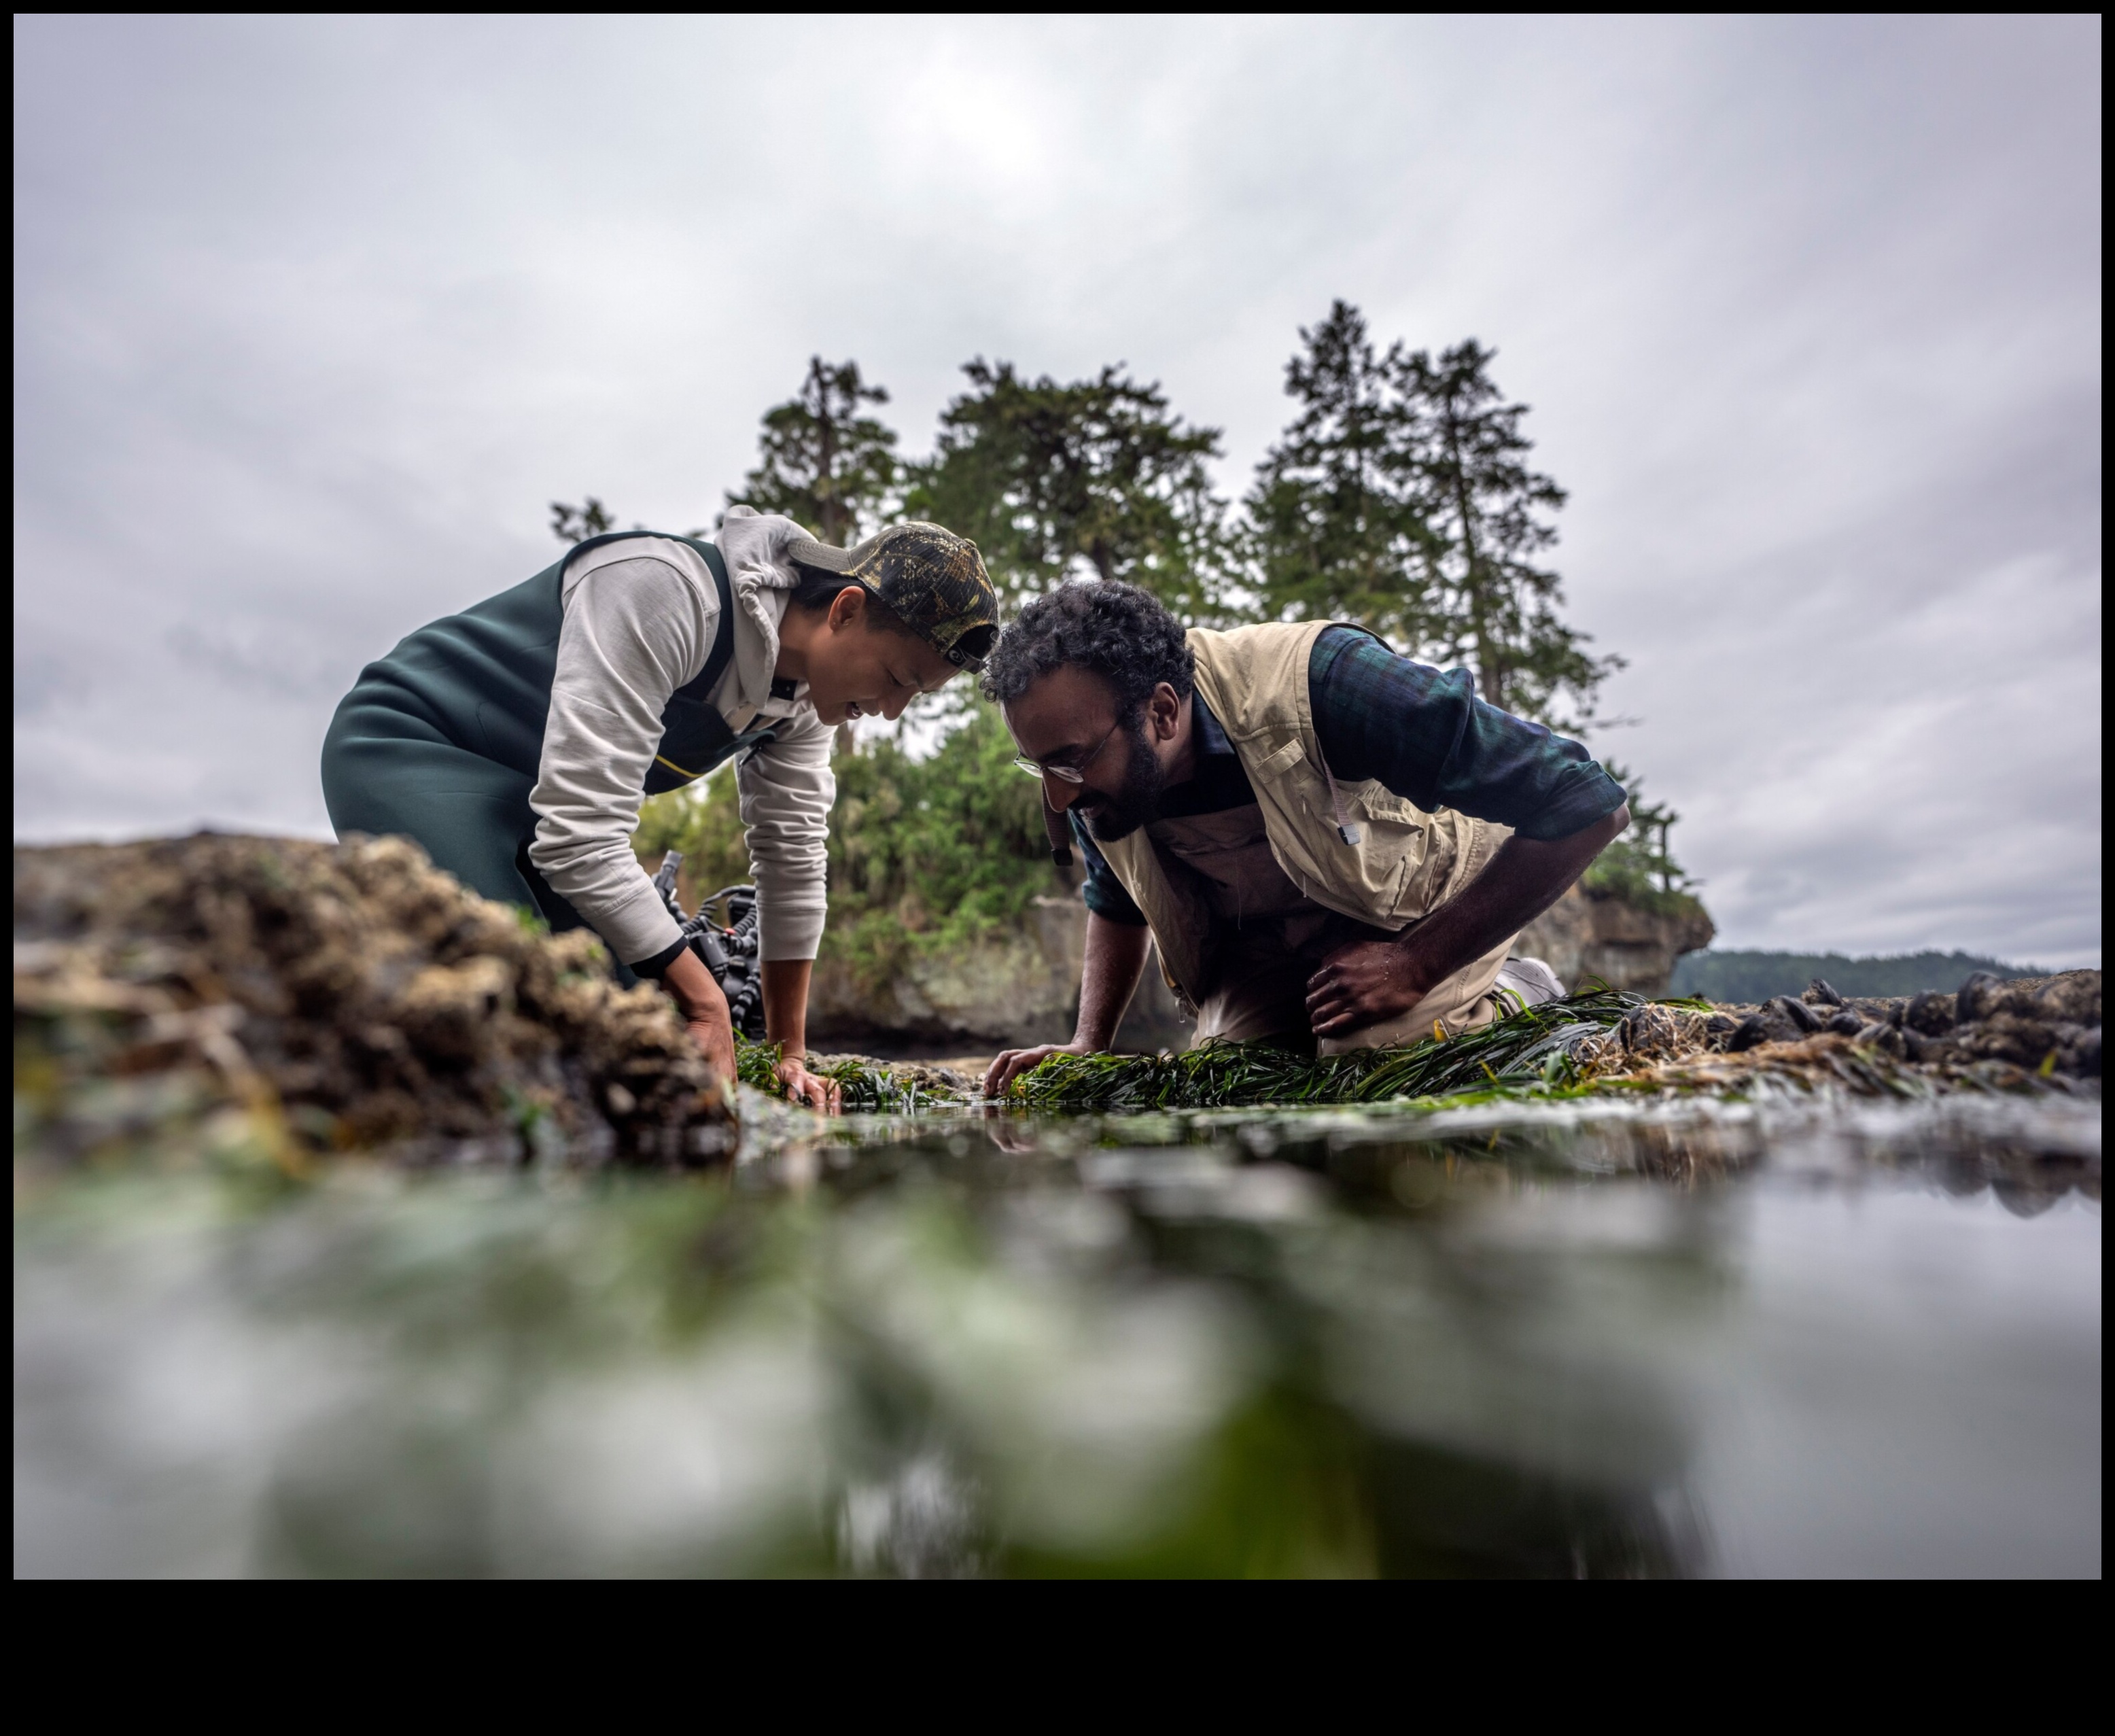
[1407, 864]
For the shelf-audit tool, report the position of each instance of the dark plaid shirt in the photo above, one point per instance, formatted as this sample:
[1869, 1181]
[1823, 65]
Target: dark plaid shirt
[1421, 731]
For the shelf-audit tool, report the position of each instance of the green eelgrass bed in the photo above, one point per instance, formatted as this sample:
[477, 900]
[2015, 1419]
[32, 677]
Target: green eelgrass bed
[869, 1087]
[1524, 1049]
[1527, 1050]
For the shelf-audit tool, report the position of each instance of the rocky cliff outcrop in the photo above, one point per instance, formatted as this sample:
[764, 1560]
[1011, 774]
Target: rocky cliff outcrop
[1626, 944]
[1018, 987]
[1024, 986]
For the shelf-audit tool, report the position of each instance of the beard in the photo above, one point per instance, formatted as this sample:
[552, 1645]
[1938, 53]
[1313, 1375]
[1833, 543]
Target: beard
[1111, 817]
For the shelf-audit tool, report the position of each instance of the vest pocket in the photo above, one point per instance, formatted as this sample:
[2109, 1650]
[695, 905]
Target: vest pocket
[1430, 883]
[1397, 856]
[1279, 760]
[1382, 803]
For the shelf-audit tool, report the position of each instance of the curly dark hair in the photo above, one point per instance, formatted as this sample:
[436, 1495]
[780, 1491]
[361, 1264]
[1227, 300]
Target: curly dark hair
[1123, 634]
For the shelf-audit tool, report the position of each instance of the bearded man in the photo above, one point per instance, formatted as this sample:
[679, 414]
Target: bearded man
[1332, 846]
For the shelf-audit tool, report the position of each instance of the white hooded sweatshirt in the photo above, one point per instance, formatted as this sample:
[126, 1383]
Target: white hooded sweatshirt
[639, 619]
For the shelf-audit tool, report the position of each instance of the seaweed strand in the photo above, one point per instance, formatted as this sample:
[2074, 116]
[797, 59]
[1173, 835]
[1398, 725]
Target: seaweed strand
[1530, 1047]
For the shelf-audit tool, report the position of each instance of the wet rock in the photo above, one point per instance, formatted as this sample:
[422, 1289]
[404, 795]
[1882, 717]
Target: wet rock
[1977, 998]
[2006, 1036]
[2045, 1025]
[2074, 998]
[1888, 1039]
[933, 1080]
[1802, 1017]
[1752, 1032]
[1758, 1028]
[1846, 1023]
[329, 998]
[1931, 1015]
[1820, 994]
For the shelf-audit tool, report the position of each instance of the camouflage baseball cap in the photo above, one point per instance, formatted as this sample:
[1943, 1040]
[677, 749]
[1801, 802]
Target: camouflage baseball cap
[932, 580]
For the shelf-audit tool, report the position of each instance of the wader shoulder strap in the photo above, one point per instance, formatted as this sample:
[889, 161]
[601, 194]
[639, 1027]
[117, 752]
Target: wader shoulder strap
[723, 651]
[695, 737]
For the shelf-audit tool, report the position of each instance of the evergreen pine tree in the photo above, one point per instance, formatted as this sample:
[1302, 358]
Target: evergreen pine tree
[1340, 509]
[825, 466]
[1052, 481]
[1400, 497]
[1489, 510]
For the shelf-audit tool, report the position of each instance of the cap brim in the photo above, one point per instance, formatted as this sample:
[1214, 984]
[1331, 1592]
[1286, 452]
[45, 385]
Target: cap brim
[805, 551]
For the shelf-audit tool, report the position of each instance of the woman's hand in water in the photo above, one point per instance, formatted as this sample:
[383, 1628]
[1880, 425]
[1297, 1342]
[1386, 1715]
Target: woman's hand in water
[785, 1018]
[803, 1087]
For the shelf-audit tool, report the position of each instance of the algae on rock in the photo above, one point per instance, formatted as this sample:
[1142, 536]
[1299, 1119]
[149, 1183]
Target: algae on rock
[224, 993]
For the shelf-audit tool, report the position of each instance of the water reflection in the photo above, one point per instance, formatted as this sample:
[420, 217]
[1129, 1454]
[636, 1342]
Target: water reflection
[1580, 1342]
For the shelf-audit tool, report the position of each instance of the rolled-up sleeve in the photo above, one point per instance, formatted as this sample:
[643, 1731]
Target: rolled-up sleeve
[787, 790]
[1102, 892]
[1424, 733]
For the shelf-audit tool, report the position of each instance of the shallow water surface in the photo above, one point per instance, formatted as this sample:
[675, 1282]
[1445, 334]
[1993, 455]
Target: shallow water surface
[1798, 1338]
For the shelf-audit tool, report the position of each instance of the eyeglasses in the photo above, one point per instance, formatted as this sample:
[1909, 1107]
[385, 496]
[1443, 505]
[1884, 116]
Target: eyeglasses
[1067, 773]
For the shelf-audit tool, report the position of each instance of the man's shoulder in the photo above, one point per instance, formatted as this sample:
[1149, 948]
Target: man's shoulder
[1243, 654]
[1261, 635]
[1255, 678]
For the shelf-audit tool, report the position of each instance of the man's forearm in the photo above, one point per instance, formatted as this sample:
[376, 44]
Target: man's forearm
[1517, 885]
[1115, 956]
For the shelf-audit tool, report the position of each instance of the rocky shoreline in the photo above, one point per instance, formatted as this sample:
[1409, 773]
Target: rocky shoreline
[271, 1002]
[2033, 1034]
[2050, 1024]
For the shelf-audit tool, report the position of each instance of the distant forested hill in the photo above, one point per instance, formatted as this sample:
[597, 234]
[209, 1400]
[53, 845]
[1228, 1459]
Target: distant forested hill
[1756, 977]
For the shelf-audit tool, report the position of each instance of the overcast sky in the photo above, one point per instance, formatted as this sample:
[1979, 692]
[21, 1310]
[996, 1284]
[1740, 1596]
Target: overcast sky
[314, 318]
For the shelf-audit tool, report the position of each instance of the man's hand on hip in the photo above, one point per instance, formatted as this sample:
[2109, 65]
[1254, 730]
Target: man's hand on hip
[1363, 984]
[1370, 980]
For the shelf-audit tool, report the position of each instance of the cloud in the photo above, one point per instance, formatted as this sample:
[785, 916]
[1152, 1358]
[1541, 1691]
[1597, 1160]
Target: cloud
[315, 316]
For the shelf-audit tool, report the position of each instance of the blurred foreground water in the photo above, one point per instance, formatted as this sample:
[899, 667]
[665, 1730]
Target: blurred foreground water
[1798, 1337]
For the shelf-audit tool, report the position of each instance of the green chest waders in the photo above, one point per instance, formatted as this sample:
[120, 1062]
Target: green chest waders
[440, 740]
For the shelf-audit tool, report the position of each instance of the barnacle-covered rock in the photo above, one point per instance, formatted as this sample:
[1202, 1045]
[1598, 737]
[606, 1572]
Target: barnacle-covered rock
[278, 997]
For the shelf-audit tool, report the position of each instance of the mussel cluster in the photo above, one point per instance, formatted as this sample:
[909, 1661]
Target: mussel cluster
[2047, 1024]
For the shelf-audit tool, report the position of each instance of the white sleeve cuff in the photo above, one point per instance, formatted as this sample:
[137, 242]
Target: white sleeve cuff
[790, 926]
[637, 924]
